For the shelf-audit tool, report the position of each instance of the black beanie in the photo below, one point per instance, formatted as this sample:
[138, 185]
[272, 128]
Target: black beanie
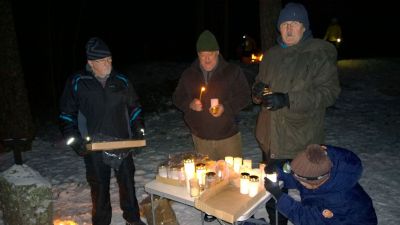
[294, 12]
[97, 49]
[207, 42]
[312, 165]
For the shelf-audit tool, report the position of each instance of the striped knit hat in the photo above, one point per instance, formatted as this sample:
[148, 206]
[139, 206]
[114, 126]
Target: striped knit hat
[97, 49]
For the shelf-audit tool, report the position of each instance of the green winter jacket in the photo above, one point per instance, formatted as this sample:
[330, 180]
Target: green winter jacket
[308, 73]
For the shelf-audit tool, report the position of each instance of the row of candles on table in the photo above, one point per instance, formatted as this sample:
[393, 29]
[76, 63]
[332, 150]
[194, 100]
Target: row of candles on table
[201, 176]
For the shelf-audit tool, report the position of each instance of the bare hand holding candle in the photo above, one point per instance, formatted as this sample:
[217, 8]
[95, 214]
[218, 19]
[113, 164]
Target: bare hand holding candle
[216, 108]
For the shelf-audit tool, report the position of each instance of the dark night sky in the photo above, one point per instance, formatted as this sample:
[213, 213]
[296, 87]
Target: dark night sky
[52, 35]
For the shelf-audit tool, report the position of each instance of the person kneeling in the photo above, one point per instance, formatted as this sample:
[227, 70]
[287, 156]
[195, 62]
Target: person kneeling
[327, 179]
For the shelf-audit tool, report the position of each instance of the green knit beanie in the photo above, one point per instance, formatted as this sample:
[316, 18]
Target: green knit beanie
[207, 42]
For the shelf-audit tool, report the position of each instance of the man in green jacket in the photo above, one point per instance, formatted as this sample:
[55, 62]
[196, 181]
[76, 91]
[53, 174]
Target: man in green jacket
[297, 81]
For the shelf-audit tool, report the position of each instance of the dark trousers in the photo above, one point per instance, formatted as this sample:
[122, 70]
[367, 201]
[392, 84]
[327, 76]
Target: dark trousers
[270, 206]
[98, 175]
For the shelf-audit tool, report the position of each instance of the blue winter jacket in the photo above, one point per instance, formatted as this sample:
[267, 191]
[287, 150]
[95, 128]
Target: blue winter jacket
[341, 194]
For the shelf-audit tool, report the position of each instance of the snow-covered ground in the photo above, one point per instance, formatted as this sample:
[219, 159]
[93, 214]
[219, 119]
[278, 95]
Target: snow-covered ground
[365, 119]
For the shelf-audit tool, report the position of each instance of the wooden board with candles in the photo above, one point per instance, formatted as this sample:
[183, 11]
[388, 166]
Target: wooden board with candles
[114, 145]
[221, 201]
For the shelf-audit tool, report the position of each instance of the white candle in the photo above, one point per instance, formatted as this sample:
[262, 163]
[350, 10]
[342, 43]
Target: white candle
[272, 177]
[162, 171]
[237, 163]
[244, 183]
[189, 171]
[248, 164]
[229, 160]
[201, 174]
[253, 186]
[194, 187]
[214, 102]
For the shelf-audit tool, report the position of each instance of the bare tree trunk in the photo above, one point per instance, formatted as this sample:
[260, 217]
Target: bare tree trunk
[269, 13]
[15, 115]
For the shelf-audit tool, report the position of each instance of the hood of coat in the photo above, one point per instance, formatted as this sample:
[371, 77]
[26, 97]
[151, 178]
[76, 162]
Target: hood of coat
[346, 170]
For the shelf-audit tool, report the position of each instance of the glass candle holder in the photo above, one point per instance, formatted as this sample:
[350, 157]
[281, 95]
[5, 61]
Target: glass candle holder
[244, 183]
[162, 171]
[211, 179]
[229, 160]
[201, 174]
[194, 188]
[237, 163]
[253, 185]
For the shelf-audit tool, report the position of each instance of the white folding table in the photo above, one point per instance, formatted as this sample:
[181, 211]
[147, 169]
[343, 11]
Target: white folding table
[179, 194]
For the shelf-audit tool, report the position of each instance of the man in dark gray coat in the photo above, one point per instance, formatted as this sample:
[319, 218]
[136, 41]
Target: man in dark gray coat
[297, 81]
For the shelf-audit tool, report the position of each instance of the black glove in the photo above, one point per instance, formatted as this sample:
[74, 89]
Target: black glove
[273, 188]
[258, 89]
[275, 100]
[78, 145]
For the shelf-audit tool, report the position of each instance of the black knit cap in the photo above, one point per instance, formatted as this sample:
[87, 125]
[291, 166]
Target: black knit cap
[97, 49]
[294, 12]
[312, 165]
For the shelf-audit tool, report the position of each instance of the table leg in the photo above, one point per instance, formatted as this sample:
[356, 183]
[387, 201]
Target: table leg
[276, 212]
[152, 209]
[202, 217]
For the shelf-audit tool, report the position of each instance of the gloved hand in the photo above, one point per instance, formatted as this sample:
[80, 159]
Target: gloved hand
[273, 188]
[257, 90]
[78, 145]
[275, 101]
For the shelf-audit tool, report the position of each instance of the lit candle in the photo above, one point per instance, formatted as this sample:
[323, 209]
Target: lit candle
[272, 177]
[201, 174]
[237, 163]
[229, 160]
[201, 92]
[253, 186]
[214, 105]
[244, 183]
[247, 164]
[189, 171]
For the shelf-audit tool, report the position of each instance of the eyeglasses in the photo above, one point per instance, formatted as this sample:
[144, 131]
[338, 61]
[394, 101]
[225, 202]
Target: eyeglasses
[287, 169]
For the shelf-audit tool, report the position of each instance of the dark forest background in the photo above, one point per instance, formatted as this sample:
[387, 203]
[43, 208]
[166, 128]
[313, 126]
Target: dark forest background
[46, 40]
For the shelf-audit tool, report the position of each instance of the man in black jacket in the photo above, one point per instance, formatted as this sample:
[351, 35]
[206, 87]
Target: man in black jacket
[100, 103]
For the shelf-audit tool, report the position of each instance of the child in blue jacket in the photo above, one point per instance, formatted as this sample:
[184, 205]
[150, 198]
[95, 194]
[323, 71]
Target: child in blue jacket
[327, 179]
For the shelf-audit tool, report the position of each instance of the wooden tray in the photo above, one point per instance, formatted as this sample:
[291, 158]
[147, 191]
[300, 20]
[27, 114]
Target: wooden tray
[114, 145]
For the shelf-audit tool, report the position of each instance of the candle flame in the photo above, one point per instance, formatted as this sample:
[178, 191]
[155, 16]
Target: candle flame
[202, 89]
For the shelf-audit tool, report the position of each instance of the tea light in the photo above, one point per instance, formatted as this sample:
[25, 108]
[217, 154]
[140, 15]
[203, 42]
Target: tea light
[272, 177]
[229, 160]
[162, 171]
[237, 163]
[253, 185]
[244, 183]
[201, 174]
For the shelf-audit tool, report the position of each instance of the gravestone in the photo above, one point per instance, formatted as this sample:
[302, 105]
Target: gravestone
[25, 197]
